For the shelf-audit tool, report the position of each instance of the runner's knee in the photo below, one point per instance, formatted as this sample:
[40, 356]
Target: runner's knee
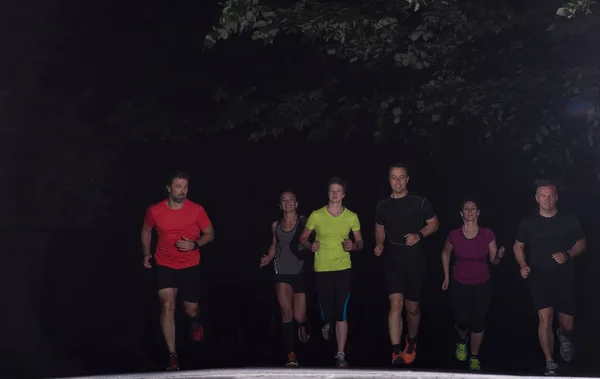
[396, 304]
[299, 315]
[168, 306]
[412, 309]
[546, 316]
[477, 326]
[287, 314]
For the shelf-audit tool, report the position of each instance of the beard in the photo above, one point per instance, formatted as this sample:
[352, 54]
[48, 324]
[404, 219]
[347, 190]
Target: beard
[178, 199]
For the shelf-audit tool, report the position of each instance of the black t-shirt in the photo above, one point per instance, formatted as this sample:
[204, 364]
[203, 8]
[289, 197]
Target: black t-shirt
[402, 216]
[548, 235]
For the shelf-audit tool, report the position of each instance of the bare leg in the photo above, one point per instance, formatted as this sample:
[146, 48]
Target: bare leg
[395, 318]
[285, 298]
[300, 308]
[413, 317]
[341, 335]
[476, 341]
[191, 309]
[168, 297]
[462, 334]
[545, 332]
[566, 323]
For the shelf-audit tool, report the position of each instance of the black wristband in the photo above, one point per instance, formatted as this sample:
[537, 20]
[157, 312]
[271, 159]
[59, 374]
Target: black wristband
[420, 235]
[196, 246]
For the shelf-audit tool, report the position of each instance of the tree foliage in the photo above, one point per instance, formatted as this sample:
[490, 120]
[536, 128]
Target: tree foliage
[436, 66]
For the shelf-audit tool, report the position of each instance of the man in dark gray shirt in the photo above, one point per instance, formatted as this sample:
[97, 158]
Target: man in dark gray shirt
[286, 254]
[554, 239]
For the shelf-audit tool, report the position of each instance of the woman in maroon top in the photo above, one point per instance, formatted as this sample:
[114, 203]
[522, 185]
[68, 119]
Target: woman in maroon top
[470, 287]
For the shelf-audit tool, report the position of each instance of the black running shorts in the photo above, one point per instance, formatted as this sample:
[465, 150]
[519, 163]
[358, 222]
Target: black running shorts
[470, 303]
[404, 272]
[185, 280]
[333, 292]
[553, 290]
[294, 280]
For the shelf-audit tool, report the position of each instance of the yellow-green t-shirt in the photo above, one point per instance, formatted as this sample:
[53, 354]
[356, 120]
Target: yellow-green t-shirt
[331, 232]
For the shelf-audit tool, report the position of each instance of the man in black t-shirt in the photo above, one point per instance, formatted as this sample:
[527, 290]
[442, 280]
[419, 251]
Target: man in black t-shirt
[554, 239]
[401, 222]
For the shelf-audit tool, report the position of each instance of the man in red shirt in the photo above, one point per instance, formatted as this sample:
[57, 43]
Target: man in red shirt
[182, 227]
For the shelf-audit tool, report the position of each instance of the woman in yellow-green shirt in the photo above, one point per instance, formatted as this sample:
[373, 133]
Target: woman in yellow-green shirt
[333, 267]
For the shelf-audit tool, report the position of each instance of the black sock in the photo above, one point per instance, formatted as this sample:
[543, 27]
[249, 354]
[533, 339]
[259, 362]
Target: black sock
[462, 341]
[397, 348]
[412, 341]
[287, 328]
[194, 319]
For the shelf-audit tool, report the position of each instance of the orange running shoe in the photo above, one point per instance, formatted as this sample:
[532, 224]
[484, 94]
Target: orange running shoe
[292, 361]
[173, 362]
[397, 358]
[196, 331]
[410, 351]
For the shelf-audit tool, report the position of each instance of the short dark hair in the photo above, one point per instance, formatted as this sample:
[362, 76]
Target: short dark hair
[469, 199]
[545, 183]
[178, 175]
[288, 191]
[398, 165]
[337, 180]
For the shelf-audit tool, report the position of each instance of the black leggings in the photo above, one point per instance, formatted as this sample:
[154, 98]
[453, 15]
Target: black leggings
[333, 291]
[470, 303]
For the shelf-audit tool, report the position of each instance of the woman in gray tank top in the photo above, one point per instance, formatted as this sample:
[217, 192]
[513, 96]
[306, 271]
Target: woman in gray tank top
[286, 254]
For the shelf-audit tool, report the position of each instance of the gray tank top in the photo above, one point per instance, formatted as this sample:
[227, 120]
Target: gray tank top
[286, 262]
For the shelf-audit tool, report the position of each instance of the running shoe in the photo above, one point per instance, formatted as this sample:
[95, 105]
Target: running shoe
[173, 362]
[461, 351]
[551, 368]
[325, 331]
[196, 331]
[474, 364]
[340, 360]
[397, 358]
[566, 346]
[292, 361]
[410, 352]
[304, 333]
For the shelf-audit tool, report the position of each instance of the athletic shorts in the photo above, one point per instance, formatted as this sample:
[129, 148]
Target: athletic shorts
[294, 280]
[404, 272]
[553, 290]
[333, 292]
[185, 280]
[470, 303]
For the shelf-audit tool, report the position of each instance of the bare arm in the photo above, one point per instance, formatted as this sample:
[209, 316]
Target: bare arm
[446, 258]
[304, 239]
[379, 235]
[208, 235]
[494, 257]
[432, 225]
[578, 248]
[358, 241]
[519, 250]
[273, 247]
[146, 239]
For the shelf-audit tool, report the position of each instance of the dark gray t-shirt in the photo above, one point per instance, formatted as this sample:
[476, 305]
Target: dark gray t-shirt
[548, 235]
[287, 260]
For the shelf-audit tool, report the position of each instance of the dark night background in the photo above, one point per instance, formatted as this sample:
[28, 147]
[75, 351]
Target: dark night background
[88, 92]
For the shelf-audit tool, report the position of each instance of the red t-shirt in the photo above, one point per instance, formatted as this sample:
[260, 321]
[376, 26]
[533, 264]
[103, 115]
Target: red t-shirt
[471, 265]
[171, 225]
